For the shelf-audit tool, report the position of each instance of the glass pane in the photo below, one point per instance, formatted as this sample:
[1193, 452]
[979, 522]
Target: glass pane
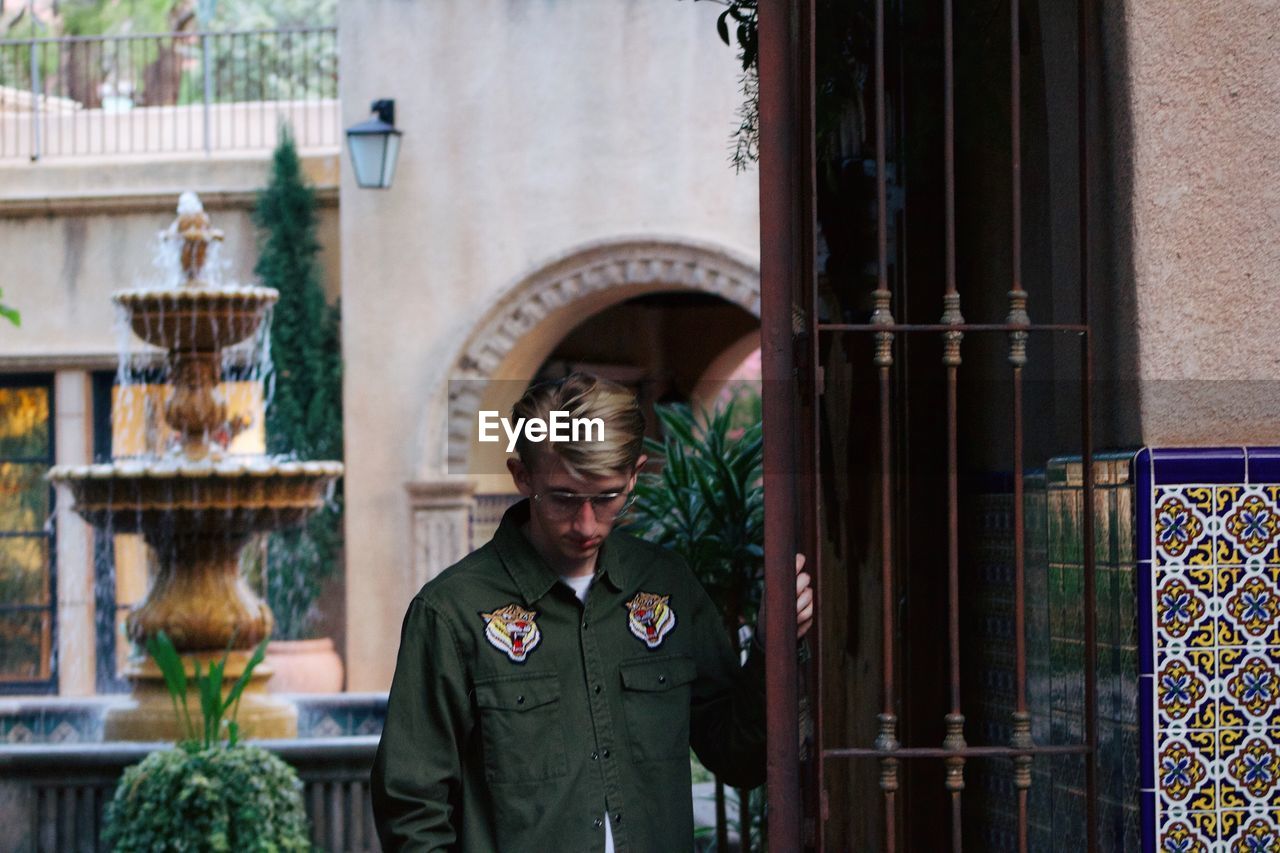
[24, 570]
[24, 422]
[24, 497]
[24, 646]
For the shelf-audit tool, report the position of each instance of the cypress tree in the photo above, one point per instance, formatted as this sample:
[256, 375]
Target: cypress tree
[304, 385]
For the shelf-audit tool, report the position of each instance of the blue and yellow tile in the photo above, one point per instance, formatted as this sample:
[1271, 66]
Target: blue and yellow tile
[1184, 607]
[1249, 605]
[1182, 525]
[1249, 687]
[1249, 767]
[1247, 526]
[1186, 689]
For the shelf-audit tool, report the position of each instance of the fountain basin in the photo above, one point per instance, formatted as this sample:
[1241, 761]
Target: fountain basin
[162, 499]
[197, 516]
[196, 316]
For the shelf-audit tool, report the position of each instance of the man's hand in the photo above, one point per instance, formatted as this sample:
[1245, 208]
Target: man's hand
[804, 599]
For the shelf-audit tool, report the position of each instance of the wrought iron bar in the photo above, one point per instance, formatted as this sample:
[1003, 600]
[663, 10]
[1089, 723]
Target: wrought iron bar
[881, 317]
[36, 92]
[206, 72]
[994, 751]
[1020, 736]
[953, 327]
[816, 813]
[953, 740]
[1085, 61]
[262, 93]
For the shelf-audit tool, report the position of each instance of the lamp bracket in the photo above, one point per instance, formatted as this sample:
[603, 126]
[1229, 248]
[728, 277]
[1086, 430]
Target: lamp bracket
[386, 110]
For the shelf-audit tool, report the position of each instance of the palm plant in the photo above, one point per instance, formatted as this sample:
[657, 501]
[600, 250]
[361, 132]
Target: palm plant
[707, 504]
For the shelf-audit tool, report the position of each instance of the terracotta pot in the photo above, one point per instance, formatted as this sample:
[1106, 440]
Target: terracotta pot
[304, 666]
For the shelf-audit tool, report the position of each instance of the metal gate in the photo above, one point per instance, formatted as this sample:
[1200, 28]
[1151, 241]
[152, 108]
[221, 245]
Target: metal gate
[899, 354]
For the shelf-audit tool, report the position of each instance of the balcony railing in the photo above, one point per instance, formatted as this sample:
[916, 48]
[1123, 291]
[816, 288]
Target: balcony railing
[171, 93]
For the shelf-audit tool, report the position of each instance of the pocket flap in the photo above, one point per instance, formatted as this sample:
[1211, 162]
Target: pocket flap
[658, 674]
[519, 694]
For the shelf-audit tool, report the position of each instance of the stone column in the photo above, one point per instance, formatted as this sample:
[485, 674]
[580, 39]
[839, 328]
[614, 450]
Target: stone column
[441, 511]
[77, 645]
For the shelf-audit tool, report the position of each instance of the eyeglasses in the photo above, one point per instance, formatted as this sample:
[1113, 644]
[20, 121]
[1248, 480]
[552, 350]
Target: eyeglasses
[563, 506]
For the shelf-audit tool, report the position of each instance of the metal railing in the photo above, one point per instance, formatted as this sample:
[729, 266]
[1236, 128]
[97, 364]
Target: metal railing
[167, 93]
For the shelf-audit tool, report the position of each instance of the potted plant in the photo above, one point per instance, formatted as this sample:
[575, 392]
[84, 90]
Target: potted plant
[303, 420]
[207, 793]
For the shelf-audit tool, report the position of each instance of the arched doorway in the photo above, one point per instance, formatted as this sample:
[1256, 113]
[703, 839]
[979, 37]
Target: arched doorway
[546, 322]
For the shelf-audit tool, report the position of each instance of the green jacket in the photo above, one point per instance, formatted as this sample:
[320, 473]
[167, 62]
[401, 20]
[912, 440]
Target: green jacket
[517, 715]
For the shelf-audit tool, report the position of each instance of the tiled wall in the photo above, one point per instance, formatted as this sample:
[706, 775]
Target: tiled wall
[55, 720]
[1209, 610]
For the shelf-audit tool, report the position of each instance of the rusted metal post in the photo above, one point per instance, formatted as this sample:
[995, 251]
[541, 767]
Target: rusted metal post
[954, 721]
[1085, 59]
[1018, 316]
[786, 257]
[882, 315]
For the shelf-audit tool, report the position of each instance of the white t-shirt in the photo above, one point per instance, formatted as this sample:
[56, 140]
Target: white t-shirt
[580, 584]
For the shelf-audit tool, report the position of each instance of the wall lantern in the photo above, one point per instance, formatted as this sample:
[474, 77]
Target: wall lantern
[375, 145]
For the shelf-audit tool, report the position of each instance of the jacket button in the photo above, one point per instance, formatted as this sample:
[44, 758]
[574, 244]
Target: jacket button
[599, 823]
[617, 817]
[597, 688]
[605, 753]
[662, 679]
[595, 756]
[519, 700]
[584, 626]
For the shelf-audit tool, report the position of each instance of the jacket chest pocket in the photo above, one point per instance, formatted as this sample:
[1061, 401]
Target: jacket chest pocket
[521, 733]
[656, 694]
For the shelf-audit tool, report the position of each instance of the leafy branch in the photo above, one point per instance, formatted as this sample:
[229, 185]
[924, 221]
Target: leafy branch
[213, 705]
[707, 503]
[742, 17]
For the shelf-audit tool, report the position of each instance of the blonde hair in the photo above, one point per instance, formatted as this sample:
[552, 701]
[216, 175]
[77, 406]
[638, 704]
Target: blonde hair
[582, 395]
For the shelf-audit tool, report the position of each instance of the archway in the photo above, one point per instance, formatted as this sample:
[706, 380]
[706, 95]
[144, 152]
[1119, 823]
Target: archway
[518, 334]
[509, 344]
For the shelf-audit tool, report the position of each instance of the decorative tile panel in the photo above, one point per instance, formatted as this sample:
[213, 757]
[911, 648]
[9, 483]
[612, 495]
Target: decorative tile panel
[61, 720]
[1208, 549]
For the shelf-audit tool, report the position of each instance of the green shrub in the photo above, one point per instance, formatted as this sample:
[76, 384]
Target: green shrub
[214, 799]
[207, 794]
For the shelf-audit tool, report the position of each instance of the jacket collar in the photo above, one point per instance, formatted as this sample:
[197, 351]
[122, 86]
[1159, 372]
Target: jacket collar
[527, 568]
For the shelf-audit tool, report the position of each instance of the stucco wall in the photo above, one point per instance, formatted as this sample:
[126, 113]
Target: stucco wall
[73, 232]
[1202, 98]
[530, 129]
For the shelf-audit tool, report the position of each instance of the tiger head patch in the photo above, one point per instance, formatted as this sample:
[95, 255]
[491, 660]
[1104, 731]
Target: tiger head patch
[650, 617]
[512, 630]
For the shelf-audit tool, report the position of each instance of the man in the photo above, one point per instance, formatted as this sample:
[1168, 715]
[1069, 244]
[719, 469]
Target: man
[549, 686]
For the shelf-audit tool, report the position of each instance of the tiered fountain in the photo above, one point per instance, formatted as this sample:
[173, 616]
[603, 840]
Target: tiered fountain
[197, 506]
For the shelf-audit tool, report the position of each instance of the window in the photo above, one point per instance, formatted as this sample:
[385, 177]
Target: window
[27, 614]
